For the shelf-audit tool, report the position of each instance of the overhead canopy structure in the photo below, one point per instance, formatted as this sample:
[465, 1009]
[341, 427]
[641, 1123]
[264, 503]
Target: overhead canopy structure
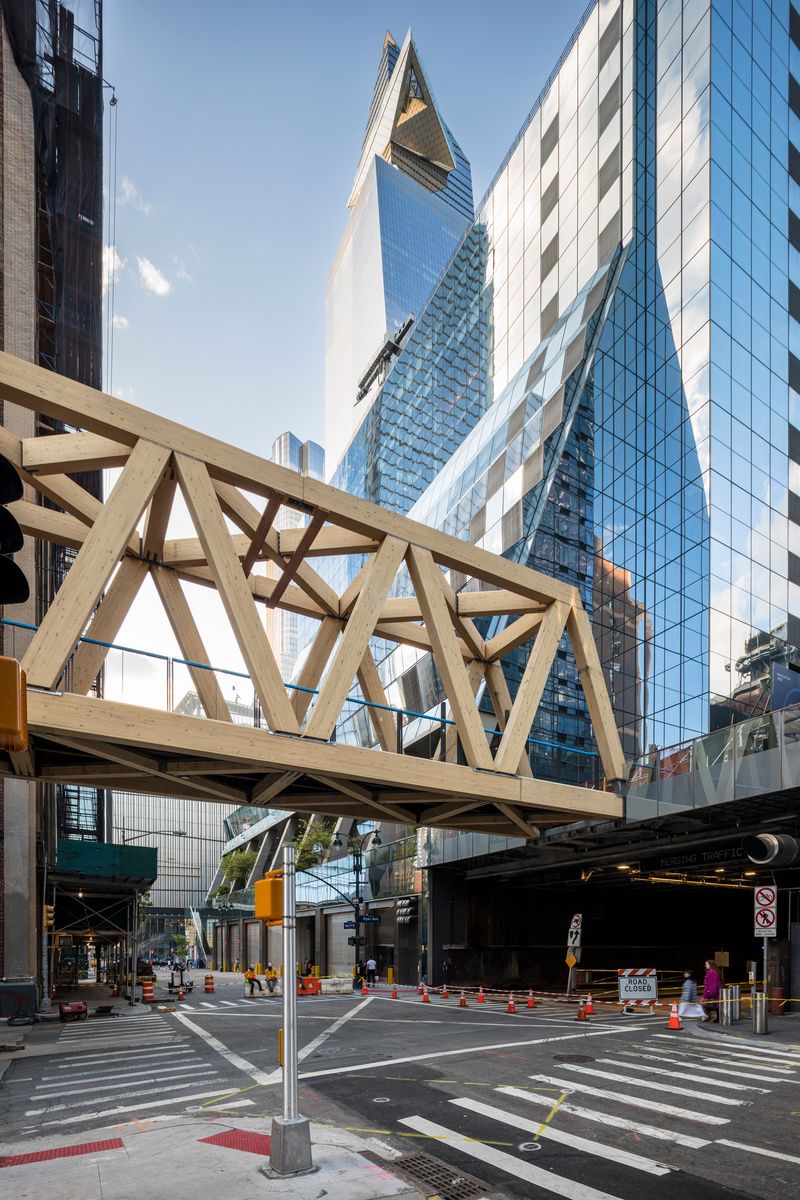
[481, 780]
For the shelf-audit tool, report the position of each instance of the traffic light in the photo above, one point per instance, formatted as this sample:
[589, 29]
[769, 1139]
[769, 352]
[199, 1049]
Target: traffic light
[269, 898]
[13, 705]
[13, 584]
[407, 909]
[48, 916]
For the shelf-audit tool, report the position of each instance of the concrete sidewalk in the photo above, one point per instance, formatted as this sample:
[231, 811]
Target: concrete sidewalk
[202, 1157]
[783, 1030]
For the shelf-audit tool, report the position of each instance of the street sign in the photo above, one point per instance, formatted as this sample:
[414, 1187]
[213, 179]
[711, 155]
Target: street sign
[371, 917]
[573, 937]
[638, 985]
[765, 911]
[352, 941]
[349, 925]
[577, 921]
[570, 960]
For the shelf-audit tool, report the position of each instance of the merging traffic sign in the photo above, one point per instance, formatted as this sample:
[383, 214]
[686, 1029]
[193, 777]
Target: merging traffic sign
[765, 911]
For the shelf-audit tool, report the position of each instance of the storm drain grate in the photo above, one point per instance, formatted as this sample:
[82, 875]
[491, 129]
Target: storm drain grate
[437, 1178]
[573, 1058]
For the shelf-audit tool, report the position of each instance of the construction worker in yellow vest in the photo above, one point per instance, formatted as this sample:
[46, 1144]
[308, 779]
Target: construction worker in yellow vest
[271, 976]
[252, 979]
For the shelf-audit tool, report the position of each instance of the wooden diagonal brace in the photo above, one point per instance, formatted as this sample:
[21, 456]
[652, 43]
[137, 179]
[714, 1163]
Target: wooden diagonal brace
[266, 521]
[295, 562]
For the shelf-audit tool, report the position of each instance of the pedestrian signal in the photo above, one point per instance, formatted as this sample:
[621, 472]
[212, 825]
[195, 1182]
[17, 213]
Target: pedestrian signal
[13, 705]
[269, 898]
[14, 587]
[407, 909]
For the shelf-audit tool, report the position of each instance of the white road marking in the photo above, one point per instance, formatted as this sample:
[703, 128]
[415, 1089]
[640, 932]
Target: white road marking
[736, 1060]
[723, 1083]
[703, 1065]
[462, 1051]
[730, 1045]
[316, 1042]
[516, 1167]
[135, 1079]
[207, 1004]
[234, 1059]
[228, 1003]
[659, 1087]
[103, 1058]
[792, 1158]
[77, 1060]
[176, 1087]
[624, 1157]
[591, 1114]
[224, 1105]
[670, 1110]
[126, 1108]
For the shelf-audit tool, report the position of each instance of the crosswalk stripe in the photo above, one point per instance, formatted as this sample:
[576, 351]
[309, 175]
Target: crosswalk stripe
[142, 1078]
[591, 1114]
[669, 1110]
[659, 1087]
[702, 1065]
[126, 1108]
[98, 1059]
[207, 1004]
[719, 1043]
[177, 1087]
[228, 1003]
[723, 1083]
[624, 1157]
[516, 1167]
[99, 1076]
[735, 1060]
[758, 1150]
[162, 1044]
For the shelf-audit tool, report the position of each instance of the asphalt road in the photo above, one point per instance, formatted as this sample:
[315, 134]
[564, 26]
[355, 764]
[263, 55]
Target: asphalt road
[532, 1104]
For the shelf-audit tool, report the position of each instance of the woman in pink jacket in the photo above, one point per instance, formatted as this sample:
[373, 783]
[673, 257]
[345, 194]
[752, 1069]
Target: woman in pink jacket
[712, 988]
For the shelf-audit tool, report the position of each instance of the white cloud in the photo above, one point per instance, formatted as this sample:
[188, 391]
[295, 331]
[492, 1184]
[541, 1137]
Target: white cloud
[120, 322]
[113, 266]
[131, 197]
[151, 278]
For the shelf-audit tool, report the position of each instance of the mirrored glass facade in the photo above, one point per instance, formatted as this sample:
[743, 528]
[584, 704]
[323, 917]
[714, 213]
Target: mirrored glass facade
[605, 383]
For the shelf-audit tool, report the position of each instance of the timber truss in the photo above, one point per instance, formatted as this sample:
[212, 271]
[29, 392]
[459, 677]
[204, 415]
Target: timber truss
[293, 763]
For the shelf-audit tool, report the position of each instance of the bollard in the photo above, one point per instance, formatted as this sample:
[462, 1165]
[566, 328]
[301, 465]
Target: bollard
[737, 1001]
[726, 1007]
[760, 1013]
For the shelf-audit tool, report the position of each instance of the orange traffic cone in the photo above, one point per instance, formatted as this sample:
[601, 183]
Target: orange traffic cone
[511, 1006]
[425, 997]
[364, 989]
[674, 1021]
[394, 992]
[531, 1001]
[581, 1012]
[589, 1006]
[445, 993]
[180, 994]
[481, 997]
[462, 1000]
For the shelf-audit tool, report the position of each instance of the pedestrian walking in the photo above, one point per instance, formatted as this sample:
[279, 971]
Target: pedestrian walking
[372, 967]
[271, 976]
[688, 1005]
[422, 964]
[252, 979]
[712, 989]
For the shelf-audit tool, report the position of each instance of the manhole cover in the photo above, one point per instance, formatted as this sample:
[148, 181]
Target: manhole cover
[439, 1179]
[573, 1058]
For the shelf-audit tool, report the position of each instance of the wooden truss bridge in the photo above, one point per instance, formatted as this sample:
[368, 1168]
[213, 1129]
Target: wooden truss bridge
[293, 762]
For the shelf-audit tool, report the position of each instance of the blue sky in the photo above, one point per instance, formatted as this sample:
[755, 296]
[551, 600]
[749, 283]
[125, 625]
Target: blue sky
[238, 132]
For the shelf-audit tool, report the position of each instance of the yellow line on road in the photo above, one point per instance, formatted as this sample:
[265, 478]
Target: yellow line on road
[550, 1115]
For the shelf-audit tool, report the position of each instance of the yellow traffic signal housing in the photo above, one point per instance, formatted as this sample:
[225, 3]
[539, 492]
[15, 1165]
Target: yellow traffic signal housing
[13, 706]
[49, 916]
[269, 898]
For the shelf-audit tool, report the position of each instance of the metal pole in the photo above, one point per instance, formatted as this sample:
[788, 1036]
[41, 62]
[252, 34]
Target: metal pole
[290, 1148]
[765, 941]
[357, 911]
[760, 1012]
[290, 1100]
[134, 947]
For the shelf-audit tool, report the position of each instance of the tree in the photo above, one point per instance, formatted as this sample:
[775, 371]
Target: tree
[181, 944]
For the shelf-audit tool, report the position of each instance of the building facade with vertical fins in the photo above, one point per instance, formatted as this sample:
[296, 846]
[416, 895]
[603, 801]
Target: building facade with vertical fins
[410, 204]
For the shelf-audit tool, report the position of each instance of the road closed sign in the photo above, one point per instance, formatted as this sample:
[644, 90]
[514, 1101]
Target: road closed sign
[765, 911]
[638, 985]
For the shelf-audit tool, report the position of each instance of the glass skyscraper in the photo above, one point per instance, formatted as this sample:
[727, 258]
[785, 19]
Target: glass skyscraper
[605, 382]
[410, 205]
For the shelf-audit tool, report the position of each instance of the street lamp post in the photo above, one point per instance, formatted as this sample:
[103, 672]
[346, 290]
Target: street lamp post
[358, 864]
